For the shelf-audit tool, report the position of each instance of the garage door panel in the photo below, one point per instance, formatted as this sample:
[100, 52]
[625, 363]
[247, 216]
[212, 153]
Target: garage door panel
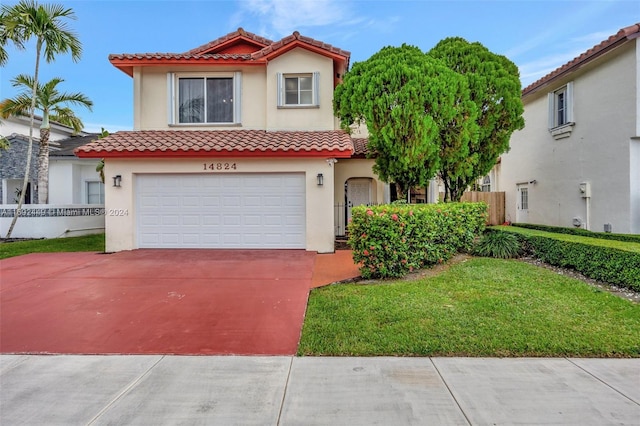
[170, 220]
[210, 201]
[211, 220]
[148, 201]
[168, 238]
[232, 220]
[188, 220]
[252, 201]
[221, 211]
[231, 201]
[251, 219]
[190, 201]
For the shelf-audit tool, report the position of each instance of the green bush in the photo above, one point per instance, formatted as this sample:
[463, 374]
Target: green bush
[393, 240]
[633, 238]
[607, 264]
[502, 245]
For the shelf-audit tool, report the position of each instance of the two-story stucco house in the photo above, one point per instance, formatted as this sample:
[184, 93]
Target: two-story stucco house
[235, 145]
[577, 161]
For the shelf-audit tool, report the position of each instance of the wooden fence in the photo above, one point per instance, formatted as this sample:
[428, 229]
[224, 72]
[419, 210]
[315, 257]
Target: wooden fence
[495, 201]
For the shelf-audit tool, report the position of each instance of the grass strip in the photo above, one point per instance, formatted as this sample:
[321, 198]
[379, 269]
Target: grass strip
[481, 307]
[93, 242]
[620, 245]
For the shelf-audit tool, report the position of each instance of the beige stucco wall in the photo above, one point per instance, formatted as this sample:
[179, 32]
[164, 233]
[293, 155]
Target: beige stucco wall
[300, 118]
[258, 97]
[597, 151]
[121, 229]
[356, 168]
[151, 97]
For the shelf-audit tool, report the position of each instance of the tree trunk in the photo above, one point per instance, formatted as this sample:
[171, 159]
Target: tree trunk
[400, 192]
[32, 112]
[43, 167]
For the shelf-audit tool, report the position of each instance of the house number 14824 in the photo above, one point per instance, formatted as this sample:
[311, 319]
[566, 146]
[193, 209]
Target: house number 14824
[219, 166]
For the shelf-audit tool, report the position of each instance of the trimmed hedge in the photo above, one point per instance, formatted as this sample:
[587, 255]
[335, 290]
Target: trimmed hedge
[633, 238]
[393, 240]
[607, 264]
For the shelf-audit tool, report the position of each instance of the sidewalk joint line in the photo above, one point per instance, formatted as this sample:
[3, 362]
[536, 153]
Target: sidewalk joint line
[124, 392]
[603, 382]
[450, 392]
[284, 394]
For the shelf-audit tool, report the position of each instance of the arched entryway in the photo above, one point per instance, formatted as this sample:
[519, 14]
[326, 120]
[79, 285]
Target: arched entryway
[358, 191]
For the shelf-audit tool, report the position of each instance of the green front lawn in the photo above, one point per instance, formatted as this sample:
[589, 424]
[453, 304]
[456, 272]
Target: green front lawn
[85, 243]
[480, 307]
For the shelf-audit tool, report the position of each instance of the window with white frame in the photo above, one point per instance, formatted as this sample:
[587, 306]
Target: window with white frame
[204, 99]
[561, 106]
[524, 198]
[95, 192]
[295, 90]
[486, 184]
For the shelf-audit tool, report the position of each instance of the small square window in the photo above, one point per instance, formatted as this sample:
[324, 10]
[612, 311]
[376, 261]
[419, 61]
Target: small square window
[298, 89]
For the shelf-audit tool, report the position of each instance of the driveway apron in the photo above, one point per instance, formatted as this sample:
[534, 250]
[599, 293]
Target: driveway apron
[185, 302]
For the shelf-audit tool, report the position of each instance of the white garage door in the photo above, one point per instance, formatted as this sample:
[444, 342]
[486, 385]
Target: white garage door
[221, 211]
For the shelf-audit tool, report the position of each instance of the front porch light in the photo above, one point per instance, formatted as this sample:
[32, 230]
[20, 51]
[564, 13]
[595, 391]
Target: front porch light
[320, 179]
[117, 180]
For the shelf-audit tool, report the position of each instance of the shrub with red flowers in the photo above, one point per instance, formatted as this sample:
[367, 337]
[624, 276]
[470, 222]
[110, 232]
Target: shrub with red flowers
[393, 240]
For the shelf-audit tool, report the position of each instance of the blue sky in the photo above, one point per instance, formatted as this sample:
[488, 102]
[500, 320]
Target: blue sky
[538, 36]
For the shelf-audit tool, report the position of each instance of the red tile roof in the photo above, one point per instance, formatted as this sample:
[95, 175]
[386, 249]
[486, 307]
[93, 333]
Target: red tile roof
[360, 147]
[239, 33]
[198, 143]
[296, 37]
[622, 36]
[255, 50]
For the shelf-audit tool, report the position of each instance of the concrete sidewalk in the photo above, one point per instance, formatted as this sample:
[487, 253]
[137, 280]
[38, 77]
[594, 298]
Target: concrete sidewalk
[283, 390]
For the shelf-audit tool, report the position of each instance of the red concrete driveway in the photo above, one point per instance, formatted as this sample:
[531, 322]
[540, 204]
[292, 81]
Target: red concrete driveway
[196, 302]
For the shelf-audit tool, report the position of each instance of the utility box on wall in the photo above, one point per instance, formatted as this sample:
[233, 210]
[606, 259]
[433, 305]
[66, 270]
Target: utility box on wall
[585, 190]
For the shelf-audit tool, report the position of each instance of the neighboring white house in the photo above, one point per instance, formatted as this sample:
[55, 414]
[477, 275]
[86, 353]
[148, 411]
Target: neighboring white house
[13, 161]
[235, 145]
[76, 193]
[577, 161]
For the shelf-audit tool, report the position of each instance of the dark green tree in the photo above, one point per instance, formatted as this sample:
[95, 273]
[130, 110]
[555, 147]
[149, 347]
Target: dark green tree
[494, 83]
[408, 101]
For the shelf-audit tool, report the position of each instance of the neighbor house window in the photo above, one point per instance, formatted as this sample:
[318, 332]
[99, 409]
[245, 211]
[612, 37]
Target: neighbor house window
[298, 89]
[95, 193]
[561, 111]
[204, 99]
[485, 186]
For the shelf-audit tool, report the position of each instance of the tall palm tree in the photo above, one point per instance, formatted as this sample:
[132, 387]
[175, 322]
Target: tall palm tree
[22, 22]
[53, 106]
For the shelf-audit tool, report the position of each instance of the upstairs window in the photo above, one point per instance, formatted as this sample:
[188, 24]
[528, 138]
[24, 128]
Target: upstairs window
[561, 111]
[210, 99]
[298, 90]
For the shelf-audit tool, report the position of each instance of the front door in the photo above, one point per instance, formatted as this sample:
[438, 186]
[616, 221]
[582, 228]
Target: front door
[522, 207]
[358, 193]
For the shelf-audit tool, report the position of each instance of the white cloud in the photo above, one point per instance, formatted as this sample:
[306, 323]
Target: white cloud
[283, 17]
[533, 70]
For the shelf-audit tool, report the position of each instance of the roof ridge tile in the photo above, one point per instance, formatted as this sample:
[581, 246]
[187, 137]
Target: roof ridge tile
[630, 32]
